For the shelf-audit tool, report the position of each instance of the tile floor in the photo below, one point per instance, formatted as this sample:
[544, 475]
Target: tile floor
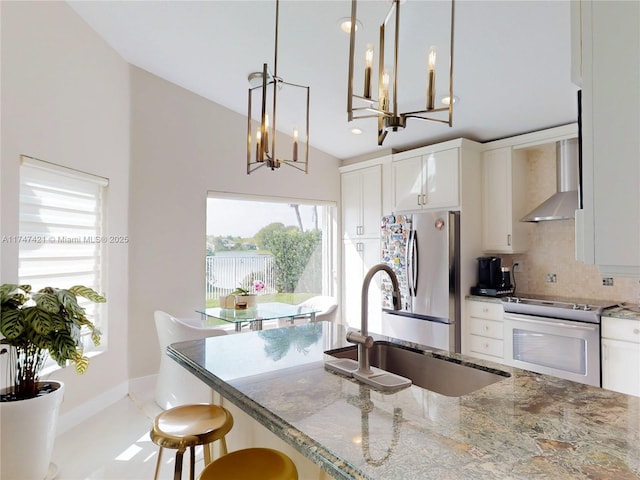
[114, 445]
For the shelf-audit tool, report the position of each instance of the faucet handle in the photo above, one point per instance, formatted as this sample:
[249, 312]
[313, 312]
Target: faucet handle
[356, 337]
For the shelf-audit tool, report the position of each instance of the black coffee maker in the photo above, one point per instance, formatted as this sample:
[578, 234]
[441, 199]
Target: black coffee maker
[493, 280]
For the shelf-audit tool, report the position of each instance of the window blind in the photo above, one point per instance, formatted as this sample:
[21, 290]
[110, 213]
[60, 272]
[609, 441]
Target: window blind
[61, 239]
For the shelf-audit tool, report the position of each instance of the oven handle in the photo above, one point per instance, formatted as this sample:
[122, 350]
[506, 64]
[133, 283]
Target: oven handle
[590, 327]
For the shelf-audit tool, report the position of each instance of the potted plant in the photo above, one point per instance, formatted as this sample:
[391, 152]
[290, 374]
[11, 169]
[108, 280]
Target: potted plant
[244, 298]
[36, 325]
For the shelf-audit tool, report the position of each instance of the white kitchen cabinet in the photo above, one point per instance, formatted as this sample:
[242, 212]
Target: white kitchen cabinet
[358, 257]
[362, 202]
[485, 336]
[426, 179]
[621, 355]
[365, 192]
[504, 195]
[608, 226]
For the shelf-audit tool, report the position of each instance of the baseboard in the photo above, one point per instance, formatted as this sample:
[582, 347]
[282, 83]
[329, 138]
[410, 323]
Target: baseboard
[78, 415]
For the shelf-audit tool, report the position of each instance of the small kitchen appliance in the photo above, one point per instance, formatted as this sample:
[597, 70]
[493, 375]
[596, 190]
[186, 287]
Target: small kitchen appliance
[493, 279]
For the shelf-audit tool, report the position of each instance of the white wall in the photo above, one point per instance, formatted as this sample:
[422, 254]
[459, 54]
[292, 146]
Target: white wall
[65, 99]
[183, 146]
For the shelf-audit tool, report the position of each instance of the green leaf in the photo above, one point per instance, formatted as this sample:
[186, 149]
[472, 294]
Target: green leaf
[89, 293]
[41, 321]
[81, 363]
[63, 348]
[47, 302]
[12, 323]
[5, 290]
[70, 302]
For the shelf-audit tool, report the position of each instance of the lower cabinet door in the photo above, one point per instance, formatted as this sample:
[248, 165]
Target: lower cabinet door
[620, 371]
[491, 347]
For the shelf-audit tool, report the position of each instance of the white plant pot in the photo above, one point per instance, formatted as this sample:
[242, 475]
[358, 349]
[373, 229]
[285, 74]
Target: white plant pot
[28, 433]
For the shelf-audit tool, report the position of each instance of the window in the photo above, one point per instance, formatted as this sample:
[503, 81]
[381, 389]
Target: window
[287, 244]
[61, 242]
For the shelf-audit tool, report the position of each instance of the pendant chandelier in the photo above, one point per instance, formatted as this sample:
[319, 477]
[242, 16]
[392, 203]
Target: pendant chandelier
[385, 106]
[265, 89]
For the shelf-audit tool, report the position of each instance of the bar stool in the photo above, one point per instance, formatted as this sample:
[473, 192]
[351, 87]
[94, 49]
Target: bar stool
[251, 464]
[187, 426]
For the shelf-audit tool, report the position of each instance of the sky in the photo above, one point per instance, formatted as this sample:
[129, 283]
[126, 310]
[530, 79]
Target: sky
[243, 218]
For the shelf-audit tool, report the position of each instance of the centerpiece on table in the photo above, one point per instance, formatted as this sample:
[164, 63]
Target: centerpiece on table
[246, 298]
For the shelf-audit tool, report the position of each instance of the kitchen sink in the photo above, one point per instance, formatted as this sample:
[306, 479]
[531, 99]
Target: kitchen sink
[428, 370]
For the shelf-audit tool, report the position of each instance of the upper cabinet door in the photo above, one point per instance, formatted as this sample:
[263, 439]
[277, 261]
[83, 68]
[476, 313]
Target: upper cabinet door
[608, 228]
[441, 188]
[429, 181]
[504, 201]
[407, 184]
[362, 202]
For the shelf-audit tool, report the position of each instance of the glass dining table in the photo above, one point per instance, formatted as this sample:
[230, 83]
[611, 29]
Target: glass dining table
[255, 316]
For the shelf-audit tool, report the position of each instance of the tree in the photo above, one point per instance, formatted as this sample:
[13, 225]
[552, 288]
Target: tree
[293, 251]
[265, 232]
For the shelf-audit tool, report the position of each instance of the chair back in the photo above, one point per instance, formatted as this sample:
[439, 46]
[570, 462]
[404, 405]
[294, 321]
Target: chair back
[172, 330]
[175, 385]
[327, 307]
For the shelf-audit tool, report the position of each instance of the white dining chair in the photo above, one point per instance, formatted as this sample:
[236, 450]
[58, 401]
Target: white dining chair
[175, 385]
[326, 309]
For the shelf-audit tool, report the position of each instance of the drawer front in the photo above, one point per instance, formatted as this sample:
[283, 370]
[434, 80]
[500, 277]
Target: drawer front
[624, 329]
[486, 346]
[492, 311]
[487, 328]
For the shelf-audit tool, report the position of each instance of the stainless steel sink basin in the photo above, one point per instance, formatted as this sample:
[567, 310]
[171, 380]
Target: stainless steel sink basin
[439, 374]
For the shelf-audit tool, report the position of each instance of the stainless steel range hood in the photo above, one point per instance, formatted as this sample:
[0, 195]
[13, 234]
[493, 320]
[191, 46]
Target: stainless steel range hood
[561, 205]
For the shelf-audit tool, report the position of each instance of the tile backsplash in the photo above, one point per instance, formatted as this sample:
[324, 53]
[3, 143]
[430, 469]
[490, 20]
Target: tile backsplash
[551, 247]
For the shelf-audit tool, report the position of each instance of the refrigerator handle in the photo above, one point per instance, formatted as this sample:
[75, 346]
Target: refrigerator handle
[412, 266]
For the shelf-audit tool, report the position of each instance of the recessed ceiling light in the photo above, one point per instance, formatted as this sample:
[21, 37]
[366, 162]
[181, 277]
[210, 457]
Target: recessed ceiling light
[445, 99]
[345, 24]
[356, 131]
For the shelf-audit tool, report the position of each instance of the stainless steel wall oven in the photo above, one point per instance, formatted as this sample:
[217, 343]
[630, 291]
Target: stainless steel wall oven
[552, 337]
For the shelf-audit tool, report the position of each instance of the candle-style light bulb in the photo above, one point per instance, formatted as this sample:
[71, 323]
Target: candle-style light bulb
[368, 63]
[295, 144]
[384, 90]
[266, 132]
[431, 77]
[258, 137]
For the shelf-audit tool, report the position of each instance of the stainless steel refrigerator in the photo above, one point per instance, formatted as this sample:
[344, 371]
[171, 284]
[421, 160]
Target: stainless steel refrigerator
[424, 251]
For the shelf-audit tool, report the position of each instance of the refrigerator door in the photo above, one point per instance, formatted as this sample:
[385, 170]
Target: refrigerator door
[395, 233]
[434, 257]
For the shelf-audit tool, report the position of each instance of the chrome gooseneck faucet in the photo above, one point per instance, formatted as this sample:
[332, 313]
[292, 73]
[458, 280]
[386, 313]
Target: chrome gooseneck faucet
[362, 339]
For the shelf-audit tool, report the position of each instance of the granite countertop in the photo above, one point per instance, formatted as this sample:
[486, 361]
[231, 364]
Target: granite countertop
[524, 426]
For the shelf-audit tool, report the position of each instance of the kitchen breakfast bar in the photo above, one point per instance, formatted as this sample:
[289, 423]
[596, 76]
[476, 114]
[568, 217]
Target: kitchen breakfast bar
[522, 427]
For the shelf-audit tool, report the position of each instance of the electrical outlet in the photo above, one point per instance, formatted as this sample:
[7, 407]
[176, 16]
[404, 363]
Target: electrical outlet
[551, 278]
[517, 267]
[607, 281]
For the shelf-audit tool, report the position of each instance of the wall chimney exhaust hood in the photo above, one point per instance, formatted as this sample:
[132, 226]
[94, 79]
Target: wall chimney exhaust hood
[561, 205]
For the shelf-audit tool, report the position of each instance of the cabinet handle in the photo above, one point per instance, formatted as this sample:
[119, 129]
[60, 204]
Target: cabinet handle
[636, 331]
[509, 239]
[486, 345]
[486, 329]
[485, 309]
[359, 230]
[418, 200]
[424, 198]
[605, 352]
[360, 247]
